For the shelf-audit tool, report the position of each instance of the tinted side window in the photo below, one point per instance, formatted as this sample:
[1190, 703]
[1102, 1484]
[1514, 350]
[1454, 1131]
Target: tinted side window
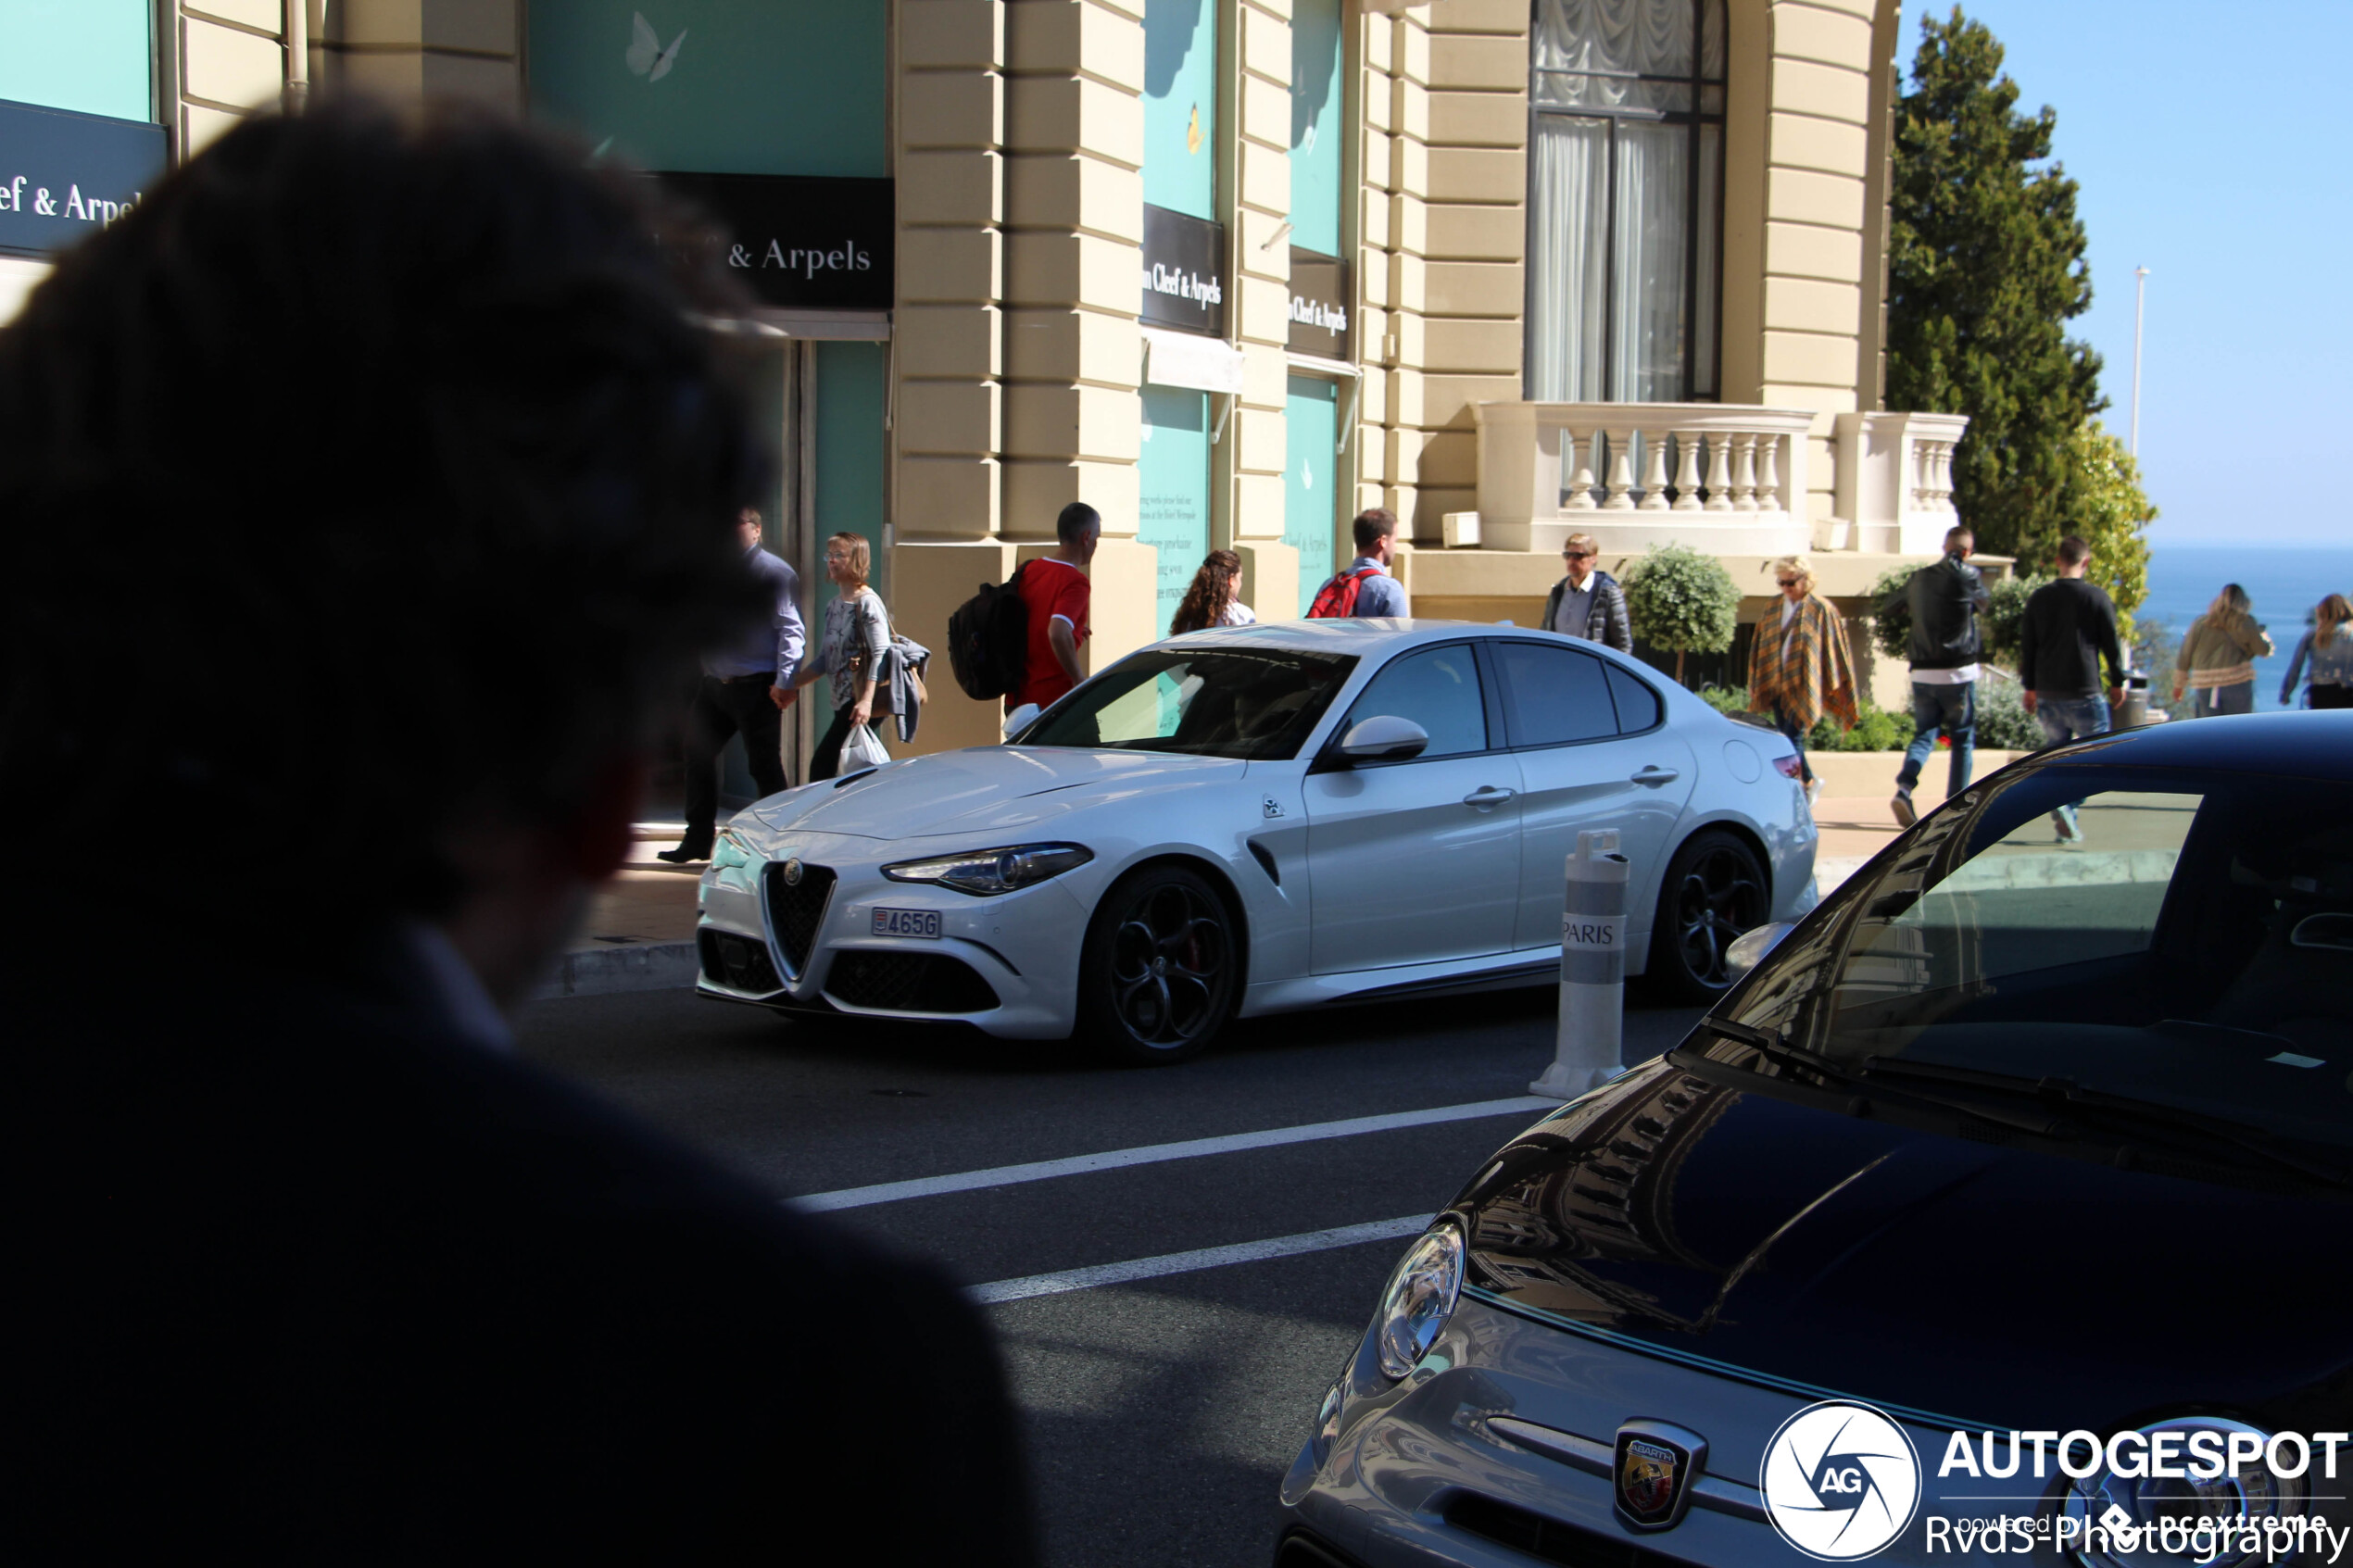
[1551, 694]
[1437, 688]
[1638, 706]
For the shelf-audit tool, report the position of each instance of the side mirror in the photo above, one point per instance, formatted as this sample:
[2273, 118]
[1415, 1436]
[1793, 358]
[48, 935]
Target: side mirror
[1749, 948]
[1383, 739]
[1019, 719]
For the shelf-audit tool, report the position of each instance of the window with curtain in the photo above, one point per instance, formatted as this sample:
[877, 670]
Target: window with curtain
[1626, 196]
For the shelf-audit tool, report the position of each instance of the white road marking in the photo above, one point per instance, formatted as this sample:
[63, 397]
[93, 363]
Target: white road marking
[1204, 1257]
[1152, 1154]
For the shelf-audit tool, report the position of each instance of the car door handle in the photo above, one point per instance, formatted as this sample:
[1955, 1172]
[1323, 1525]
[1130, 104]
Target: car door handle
[1656, 775]
[1488, 795]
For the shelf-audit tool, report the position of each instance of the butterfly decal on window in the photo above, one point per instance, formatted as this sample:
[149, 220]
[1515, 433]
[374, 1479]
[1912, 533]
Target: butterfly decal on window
[647, 57]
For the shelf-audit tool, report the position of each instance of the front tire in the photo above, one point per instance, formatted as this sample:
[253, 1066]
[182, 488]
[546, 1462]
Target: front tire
[1715, 889]
[1161, 973]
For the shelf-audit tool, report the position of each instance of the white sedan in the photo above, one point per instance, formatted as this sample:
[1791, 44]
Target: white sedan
[1255, 819]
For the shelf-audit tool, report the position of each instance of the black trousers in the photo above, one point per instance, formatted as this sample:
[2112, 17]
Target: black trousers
[826, 761]
[724, 708]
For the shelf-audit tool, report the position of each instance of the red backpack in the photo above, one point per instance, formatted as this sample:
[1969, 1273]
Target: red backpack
[1337, 599]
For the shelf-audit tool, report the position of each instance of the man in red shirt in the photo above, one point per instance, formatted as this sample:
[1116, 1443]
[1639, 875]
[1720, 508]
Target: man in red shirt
[1056, 592]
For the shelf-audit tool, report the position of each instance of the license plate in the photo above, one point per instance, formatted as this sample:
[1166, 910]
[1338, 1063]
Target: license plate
[907, 922]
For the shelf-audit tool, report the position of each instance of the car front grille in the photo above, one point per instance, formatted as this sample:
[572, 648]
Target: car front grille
[1549, 1540]
[740, 963]
[796, 908]
[893, 981]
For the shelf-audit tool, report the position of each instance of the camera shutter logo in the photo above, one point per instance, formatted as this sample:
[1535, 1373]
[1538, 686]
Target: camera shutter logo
[1841, 1481]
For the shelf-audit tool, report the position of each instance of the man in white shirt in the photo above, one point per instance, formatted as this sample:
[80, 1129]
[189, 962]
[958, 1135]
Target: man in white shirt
[1587, 603]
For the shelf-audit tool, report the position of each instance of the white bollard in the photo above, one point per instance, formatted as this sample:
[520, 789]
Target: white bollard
[1593, 971]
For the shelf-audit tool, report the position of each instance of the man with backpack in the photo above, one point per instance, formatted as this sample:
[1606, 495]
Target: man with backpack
[1056, 594]
[1365, 588]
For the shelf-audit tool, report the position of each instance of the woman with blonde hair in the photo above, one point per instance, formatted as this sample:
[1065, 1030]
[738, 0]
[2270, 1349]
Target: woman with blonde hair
[1213, 599]
[2219, 651]
[2329, 644]
[1800, 667]
[857, 634]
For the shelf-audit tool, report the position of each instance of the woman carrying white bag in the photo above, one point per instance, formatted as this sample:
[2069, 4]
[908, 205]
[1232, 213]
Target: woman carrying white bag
[857, 634]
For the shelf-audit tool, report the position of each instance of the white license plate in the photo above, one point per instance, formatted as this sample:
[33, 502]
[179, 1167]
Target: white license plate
[907, 922]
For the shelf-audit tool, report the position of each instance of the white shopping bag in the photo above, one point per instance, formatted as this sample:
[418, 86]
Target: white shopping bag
[862, 749]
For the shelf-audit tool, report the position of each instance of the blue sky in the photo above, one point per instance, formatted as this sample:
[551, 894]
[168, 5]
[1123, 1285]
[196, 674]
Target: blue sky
[2210, 146]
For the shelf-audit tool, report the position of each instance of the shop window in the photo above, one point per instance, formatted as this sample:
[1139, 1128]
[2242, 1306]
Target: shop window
[1626, 196]
[92, 57]
[1311, 478]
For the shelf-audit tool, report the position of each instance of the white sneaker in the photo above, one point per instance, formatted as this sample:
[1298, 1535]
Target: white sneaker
[1813, 792]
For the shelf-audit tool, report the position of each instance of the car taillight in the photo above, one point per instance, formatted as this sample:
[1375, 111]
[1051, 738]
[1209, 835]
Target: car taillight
[1790, 767]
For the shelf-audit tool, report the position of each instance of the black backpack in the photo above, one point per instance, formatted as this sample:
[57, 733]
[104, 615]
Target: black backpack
[989, 640]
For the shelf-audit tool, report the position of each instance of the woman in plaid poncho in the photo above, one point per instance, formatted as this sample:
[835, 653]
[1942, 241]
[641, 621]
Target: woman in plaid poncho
[1800, 667]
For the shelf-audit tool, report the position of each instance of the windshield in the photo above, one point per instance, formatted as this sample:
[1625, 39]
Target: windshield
[1252, 704]
[2193, 950]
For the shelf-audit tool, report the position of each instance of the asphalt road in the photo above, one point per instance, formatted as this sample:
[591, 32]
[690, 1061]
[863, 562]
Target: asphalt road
[1162, 1411]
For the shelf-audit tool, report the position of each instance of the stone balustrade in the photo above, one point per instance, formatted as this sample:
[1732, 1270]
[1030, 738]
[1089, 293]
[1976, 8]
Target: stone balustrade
[1715, 476]
[1893, 489]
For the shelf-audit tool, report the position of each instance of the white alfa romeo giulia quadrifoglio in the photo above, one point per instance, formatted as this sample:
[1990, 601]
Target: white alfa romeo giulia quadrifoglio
[1261, 817]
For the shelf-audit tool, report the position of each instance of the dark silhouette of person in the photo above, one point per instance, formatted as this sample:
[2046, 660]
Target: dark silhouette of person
[368, 488]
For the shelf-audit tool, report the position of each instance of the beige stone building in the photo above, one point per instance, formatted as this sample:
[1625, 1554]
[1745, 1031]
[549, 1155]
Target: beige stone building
[1232, 269]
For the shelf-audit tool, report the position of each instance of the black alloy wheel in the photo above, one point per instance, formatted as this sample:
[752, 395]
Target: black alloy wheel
[1714, 891]
[1161, 973]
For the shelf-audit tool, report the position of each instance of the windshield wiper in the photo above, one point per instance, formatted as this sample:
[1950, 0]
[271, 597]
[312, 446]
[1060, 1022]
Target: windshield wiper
[1773, 1048]
[2066, 1093]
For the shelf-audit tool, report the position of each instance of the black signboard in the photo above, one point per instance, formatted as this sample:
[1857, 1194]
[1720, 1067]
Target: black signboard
[801, 242]
[63, 176]
[1321, 298]
[1184, 272]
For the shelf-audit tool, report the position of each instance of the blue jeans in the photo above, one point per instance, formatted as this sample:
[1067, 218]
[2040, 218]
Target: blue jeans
[2070, 718]
[1953, 711]
[2236, 698]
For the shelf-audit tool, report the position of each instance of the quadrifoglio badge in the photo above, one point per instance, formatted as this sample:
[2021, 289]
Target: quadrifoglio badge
[1842, 1481]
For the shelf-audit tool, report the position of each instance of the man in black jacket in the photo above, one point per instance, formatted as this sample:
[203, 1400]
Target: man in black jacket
[388, 456]
[1945, 600]
[2070, 628]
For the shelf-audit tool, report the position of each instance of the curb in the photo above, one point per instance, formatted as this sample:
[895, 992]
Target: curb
[658, 966]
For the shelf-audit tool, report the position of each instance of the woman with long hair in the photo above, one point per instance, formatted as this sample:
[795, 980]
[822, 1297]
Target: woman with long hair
[2329, 644]
[2218, 655]
[856, 634]
[1212, 601]
[1800, 667]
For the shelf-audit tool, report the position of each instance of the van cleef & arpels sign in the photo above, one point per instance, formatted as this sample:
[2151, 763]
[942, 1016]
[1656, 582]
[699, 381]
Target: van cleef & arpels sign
[801, 241]
[63, 176]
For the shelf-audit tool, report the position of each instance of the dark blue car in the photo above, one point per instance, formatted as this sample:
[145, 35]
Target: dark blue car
[2003, 1206]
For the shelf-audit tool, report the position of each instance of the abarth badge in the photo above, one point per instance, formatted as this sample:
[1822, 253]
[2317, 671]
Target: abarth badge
[1652, 1480]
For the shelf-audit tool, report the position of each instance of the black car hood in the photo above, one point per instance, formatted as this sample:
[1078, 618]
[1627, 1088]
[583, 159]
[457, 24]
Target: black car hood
[1983, 1286]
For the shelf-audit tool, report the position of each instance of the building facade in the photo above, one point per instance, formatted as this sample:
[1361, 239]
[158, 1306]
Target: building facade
[1229, 271]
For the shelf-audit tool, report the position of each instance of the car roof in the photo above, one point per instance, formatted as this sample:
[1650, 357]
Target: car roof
[2294, 744]
[1354, 635]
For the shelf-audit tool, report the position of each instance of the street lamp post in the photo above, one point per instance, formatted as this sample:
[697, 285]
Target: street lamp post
[2140, 304]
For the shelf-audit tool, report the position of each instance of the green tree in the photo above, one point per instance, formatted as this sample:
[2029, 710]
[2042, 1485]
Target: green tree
[1985, 259]
[2103, 504]
[1678, 599]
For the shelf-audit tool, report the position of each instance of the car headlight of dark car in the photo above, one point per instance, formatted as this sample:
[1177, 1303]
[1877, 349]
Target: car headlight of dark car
[1419, 1300]
[986, 872]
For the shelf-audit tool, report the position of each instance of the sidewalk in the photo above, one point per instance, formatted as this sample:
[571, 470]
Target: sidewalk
[640, 931]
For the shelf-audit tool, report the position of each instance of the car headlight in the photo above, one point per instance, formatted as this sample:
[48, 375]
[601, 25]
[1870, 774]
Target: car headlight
[990, 871]
[2219, 1471]
[730, 851]
[1419, 1300]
